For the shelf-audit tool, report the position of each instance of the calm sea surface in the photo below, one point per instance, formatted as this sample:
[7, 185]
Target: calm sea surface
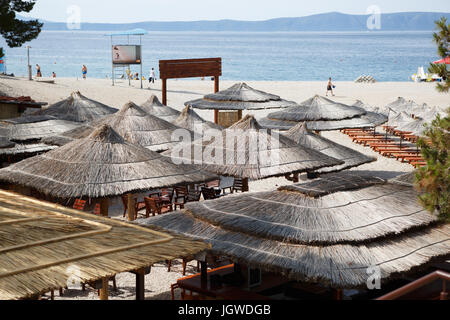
[293, 56]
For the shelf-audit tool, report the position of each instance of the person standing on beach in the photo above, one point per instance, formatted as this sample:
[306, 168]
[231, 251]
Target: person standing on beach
[84, 71]
[152, 76]
[330, 87]
[38, 71]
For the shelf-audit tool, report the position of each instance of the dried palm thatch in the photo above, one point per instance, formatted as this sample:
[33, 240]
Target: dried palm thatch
[101, 165]
[157, 109]
[301, 135]
[416, 127]
[25, 149]
[399, 119]
[132, 123]
[190, 120]
[407, 179]
[318, 109]
[77, 108]
[64, 138]
[384, 111]
[5, 143]
[369, 120]
[146, 130]
[397, 103]
[331, 240]
[34, 131]
[28, 119]
[240, 97]
[43, 245]
[246, 150]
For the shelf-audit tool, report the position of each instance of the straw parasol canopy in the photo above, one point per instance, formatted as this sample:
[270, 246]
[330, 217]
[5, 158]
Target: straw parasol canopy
[77, 108]
[156, 108]
[132, 123]
[245, 150]
[332, 239]
[101, 165]
[17, 149]
[369, 120]
[34, 131]
[44, 246]
[190, 120]
[416, 127]
[407, 179]
[399, 119]
[301, 135]
[318, 109]
[240, 97]
[397, 103]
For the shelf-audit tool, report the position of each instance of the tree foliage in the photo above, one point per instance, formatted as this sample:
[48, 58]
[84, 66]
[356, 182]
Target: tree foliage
[15, 31]
[433, 181]
[442, 39]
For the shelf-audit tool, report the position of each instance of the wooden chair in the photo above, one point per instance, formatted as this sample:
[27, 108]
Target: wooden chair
[167, 196]
[139, 206]
[209, 194]
[238, 185]
[79, 204]
[154, 206]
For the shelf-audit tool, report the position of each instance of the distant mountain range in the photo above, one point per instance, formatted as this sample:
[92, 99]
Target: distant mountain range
[334, 21]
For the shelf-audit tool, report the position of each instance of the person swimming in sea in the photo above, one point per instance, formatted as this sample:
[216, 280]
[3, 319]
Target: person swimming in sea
[84, 71]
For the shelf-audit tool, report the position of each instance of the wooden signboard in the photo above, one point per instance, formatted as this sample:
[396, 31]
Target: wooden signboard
[189, 68]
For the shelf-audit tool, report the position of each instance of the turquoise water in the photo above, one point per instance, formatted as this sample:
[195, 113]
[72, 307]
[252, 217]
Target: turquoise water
[293, 56]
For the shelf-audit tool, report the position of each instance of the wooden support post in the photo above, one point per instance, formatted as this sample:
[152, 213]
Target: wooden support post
[216, 84]
[164, 92]
[104, 290]
[140, 285]
[239, 115]
[204, 273]
[245, 187]
[338, 295]
[296, 178]
[104, 207]
[216, 116]
[131, 208]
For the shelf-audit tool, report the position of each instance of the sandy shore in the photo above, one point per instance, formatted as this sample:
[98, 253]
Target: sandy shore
[379, 94]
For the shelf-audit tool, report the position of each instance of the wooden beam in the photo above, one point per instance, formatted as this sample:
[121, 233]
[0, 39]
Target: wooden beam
[204, 273]
[140, 285]
[216, 116]
[216, 84]
[105, 289]
[245, 186]
[164, 92]
[131, 208]
[104, 207]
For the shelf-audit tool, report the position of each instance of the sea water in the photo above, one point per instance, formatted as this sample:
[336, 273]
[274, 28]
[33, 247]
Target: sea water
[259, 56]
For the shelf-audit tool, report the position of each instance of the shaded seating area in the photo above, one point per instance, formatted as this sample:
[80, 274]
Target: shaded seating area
[302, 250]
[41, 242]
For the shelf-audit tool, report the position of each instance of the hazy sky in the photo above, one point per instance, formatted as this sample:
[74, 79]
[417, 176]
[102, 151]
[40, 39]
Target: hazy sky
[116, 11]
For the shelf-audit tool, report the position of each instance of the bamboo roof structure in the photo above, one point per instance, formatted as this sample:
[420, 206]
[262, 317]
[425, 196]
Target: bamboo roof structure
[318, 108]
[332, 239]
[369, 120]
[101, 165]
[190, 120]
[245, 150]
[44, 245]
[77, 108]
[240, 97]
[301, 135]
[154, 107]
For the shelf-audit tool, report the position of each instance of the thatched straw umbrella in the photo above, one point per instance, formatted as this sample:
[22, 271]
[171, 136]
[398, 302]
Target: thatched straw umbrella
[318, 109]
[156, 108]
[239, 151]
[331, 238]
[132, 123]
[77, 108]
[306, 138]
[190, 120]
[99, 166]
[18, 151]
[369, 120]
[397, 103]
[415, 127]
[399, 119]
[240, 97]
[32, 131]
[407, 179]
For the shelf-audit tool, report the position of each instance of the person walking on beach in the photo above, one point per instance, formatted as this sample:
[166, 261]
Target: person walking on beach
[84, 71]
[152, 76]
[38, 71]
[330, 87]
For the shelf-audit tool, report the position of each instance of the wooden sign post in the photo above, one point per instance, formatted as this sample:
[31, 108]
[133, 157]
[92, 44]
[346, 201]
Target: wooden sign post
[189, 68]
